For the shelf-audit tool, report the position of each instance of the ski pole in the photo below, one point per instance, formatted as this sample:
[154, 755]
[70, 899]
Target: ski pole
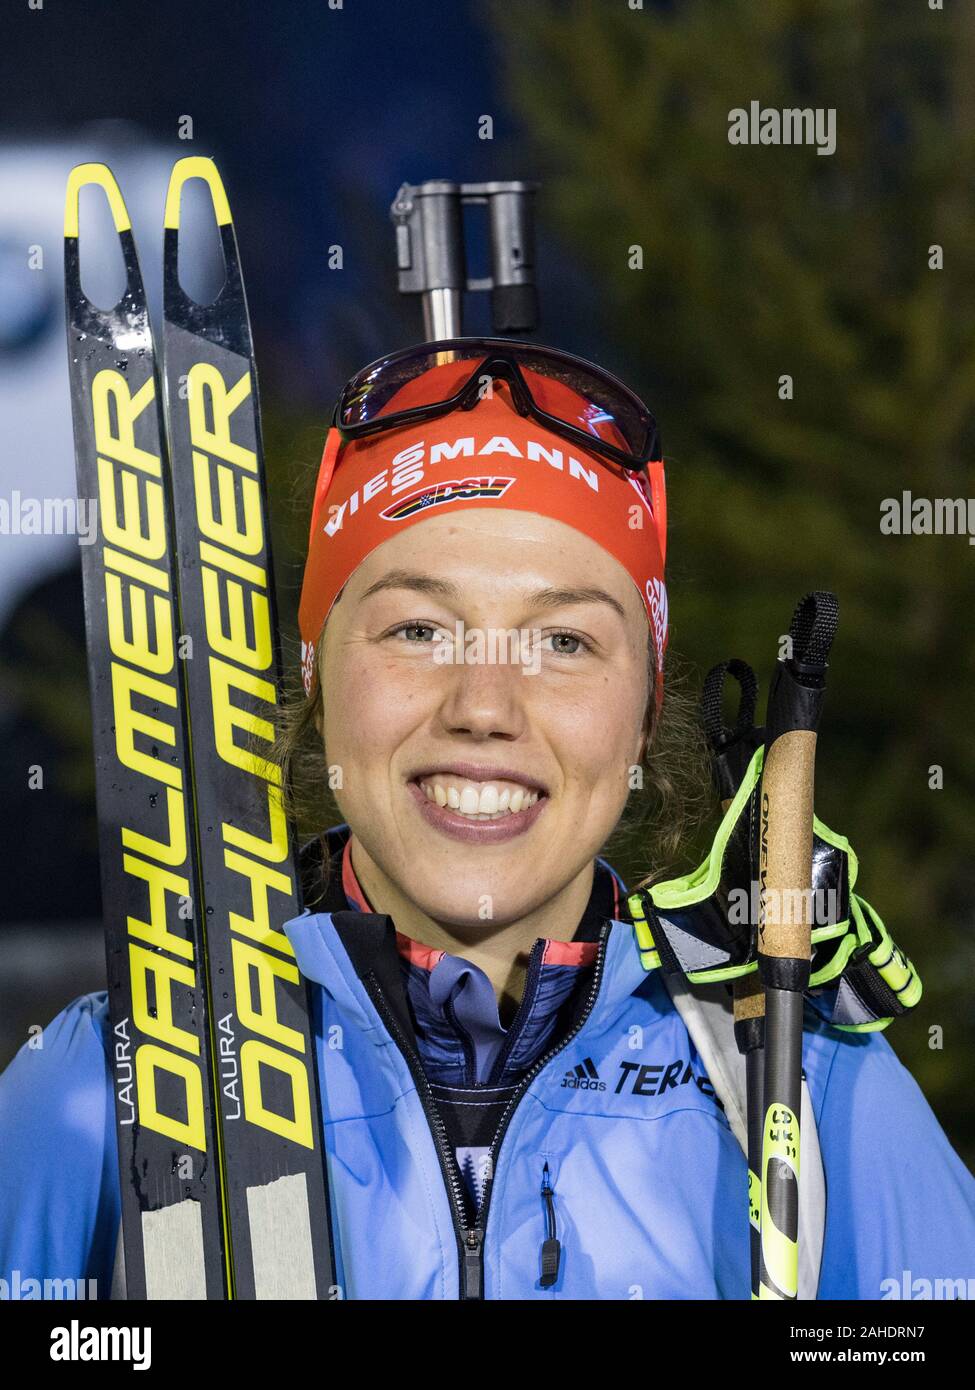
[784, 943]
[749, 1012]
[432, 261]
[732, 749]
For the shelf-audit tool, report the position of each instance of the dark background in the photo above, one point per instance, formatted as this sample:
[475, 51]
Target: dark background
[757, 262]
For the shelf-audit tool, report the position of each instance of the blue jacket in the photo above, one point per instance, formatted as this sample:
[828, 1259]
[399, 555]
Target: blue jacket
[647, 1178]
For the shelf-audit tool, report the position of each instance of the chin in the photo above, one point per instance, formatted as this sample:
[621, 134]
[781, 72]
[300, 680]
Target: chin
[468, 911]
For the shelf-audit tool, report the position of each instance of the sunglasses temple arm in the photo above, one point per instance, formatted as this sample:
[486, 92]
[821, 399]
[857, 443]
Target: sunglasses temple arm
[658, 498]
[333, 442]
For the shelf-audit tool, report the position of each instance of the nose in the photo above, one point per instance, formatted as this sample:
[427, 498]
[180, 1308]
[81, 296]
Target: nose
[486, 699]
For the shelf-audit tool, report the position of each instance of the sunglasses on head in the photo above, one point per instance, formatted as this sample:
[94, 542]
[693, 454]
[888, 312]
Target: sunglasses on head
[566, 394]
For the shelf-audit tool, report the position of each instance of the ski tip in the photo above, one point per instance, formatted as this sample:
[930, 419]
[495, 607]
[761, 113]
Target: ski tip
[195, 167]
[100, 174]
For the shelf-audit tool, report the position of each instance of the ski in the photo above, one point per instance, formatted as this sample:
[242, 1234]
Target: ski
[267, 1081]
[173, 1217]
[222, 1164]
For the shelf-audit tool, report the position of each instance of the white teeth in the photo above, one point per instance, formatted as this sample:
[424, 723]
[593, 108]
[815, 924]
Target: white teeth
[480, 802]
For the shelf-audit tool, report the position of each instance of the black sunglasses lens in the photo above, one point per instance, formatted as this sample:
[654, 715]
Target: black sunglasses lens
[567, 390]
[594, 404]
[412, 381]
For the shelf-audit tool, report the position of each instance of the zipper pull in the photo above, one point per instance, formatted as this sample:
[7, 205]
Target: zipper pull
[551, 1248]
[472, 1264]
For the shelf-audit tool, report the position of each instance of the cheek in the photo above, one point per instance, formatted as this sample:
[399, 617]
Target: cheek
[369, 707]
[597, 734]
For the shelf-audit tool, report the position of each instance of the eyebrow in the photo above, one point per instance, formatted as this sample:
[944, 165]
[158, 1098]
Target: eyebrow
[557, 598]
[413, 579]
[444, 588]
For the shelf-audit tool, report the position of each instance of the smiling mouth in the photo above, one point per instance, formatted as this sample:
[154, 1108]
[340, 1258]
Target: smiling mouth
[496, 800]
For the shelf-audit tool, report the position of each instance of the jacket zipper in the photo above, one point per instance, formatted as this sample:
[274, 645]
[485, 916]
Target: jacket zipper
[530, 1075]
[527, 1000]
[470, 1239]
[551, 1248]
[465, 1236]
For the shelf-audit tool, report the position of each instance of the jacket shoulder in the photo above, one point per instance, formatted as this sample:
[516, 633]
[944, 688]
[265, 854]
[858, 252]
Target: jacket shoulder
[59, 1202]
[899, 1196]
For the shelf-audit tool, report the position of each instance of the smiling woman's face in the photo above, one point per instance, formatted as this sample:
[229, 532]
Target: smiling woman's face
[420, 741]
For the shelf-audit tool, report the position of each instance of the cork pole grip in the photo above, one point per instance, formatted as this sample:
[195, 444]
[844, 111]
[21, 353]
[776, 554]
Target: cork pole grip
[785, 856]
[749, 993]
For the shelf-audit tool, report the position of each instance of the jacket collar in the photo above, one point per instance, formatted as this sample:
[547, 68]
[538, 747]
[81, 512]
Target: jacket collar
[321, 942]
[337, 947]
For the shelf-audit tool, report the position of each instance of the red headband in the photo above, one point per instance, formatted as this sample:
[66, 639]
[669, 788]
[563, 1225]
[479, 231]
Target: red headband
[488, 457]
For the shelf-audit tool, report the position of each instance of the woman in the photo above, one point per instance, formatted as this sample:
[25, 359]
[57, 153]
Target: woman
[514, 1107]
